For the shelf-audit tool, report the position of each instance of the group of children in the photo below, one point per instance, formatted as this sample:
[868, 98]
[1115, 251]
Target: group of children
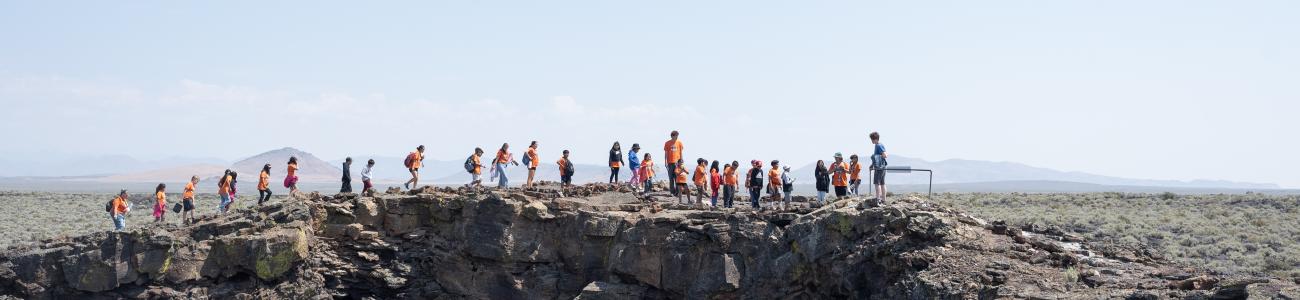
[716, 181]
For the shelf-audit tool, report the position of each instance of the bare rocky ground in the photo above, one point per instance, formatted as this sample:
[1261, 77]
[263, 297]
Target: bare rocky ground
[599, 242]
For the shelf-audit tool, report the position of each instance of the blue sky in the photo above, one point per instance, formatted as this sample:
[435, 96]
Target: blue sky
[1146, 89]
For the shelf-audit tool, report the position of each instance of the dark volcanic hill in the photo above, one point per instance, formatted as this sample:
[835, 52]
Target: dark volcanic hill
[598, 244]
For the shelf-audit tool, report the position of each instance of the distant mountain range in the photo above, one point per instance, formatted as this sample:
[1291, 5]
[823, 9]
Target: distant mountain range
[389, 169]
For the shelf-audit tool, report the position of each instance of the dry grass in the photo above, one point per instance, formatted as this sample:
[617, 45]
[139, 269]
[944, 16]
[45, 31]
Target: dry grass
[1250, 233]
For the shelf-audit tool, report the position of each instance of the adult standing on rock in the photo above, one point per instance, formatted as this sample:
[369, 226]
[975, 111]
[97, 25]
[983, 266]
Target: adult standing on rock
[412, 162]
[118, 210]
[503, 160]
[347, 176]
[754, 181]
[531, 160]
[840, 176]
[672, 153]
[823, 177]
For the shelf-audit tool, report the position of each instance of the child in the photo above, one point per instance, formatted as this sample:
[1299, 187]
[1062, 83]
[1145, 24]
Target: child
[223, 191]
[855, 171]
[787, 186]
[263, 185]
[160, 208]
[840, 176]
[634, 163]
[234, 178]
[347, 176]
[566, 170]
[531, 155]
[413, 162]
[878, 164]
[119, 211]
[187, 201]
[476, 174]
[615, 162]
[754, 182]
[730, 181]
[700, 179]
[367, 188]
[647, 173]
[823, 181]
[715, 181]
[291, 177]
[774, 182]
[680, 189]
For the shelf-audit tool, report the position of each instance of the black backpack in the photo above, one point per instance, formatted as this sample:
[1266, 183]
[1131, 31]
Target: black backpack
[108, 207]
[568, 168]
[469, 164]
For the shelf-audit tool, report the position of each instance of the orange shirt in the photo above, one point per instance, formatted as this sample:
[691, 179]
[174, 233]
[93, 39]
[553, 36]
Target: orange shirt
[673, 150]
[682, 174]
[854, 170]
[839, 178]
[189, 191]
[162, 198]
[415, 163]
[119, 205]
[647, 169]
[700, 176]
[502, 157]
[561, 164]
[774, 177]
[729, 176]
[478, 164]
[262, 180]
[532, 157]
[293, 169]
[223, 187]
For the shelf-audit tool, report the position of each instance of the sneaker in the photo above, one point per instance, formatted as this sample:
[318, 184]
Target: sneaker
[407, 185]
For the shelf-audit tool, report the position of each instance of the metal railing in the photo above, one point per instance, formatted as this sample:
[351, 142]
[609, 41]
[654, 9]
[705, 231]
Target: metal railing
[904, 169]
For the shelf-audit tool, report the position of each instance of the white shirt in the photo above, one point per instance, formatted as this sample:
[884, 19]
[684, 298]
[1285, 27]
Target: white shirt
[365, 173]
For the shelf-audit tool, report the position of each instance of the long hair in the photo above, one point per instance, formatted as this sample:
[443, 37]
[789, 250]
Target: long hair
[266, 169]
[615, 147]
[160, 187]
[293, 159]
[714, 167]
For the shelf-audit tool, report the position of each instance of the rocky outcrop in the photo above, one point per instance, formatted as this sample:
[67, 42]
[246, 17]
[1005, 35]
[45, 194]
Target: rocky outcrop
[598, 243]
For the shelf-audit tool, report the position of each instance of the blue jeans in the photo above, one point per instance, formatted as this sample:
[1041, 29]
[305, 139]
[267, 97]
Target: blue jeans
[225, 200]
[754, 196]
[728, 194]
[714, 200]
[649, 184]
[119, 222]
[502, 182]
[821, 197]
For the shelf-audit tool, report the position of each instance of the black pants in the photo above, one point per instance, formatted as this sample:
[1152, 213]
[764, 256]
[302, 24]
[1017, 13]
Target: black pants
[263, 196]
[347, 186]
[566, 179]
[840, 191]
[728, 194]
[613, 174]
[672, 173]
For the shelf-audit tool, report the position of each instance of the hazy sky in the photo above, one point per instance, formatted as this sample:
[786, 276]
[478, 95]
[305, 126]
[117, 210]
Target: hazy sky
[1146, 89]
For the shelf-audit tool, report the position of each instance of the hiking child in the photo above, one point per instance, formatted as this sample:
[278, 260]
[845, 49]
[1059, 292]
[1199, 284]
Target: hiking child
[566, 170]
[681, 188]
[263, 185]
[787, 186]
[366, 186]
[701, 179]
[774, 183]
[878, 163]
[474, 165]
[234, 179]
[413, 162]
[223, 191]
[855, 174]
[754, 182]
[635, 163]
[291, 177]
[615, 162]
[715, 182]
[530, 159]
[823, 177]
[160, 207]
[729, 182]
[840, 176]
[503, 160]
[118, 209]
[672, 154]
[647, 173]
[347, 176]
[187, 201]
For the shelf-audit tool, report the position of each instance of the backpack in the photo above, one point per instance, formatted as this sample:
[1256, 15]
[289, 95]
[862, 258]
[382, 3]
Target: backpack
[528, 160]
[878, 162]
[410, 160]
[108, 207]
[469, 164]
[568, 168]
